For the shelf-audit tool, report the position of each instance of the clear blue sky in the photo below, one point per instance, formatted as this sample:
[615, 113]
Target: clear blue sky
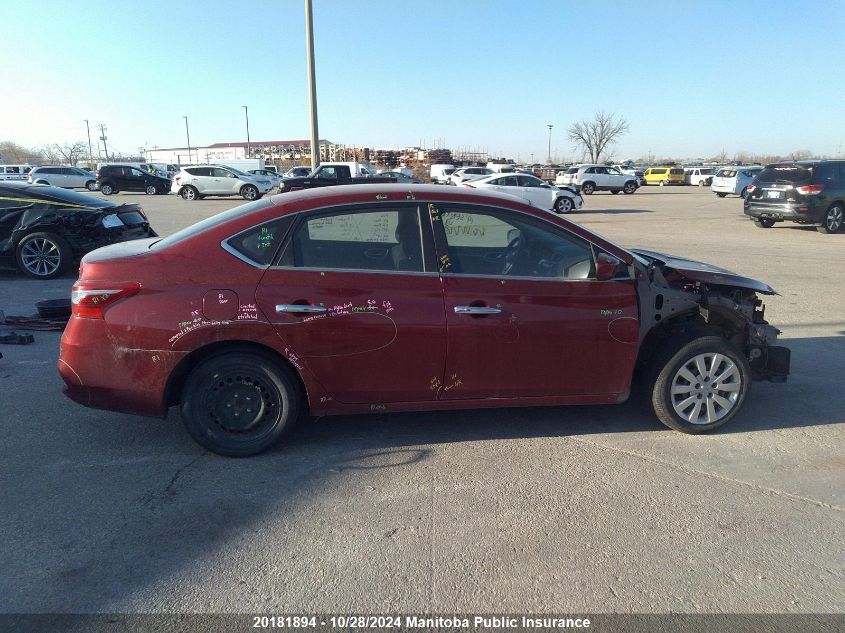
[692, 78]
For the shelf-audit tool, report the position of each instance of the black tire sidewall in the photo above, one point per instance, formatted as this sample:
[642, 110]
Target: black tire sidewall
[65, 254]
[674, 355]
[229, 444]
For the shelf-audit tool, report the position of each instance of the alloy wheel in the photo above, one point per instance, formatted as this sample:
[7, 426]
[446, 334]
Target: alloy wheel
[706, 388]
[41, 257]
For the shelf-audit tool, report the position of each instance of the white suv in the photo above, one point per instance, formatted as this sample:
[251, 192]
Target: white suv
[590, 178]
[464, 174]
[199, 181]
[63, 176]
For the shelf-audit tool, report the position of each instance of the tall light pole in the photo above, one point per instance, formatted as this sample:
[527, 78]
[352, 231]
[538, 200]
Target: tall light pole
[312, 85]
[550, 143]
[246, 112]
[188, 133]
[90, 153]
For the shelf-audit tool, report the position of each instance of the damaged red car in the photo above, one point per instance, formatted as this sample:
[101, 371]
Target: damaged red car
[345, 300]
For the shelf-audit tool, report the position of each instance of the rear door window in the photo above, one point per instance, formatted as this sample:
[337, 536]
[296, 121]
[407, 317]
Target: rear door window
[259, 244]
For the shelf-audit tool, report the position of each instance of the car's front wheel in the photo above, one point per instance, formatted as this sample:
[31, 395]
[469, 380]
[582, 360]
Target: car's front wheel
[106, 189]
[238, 403]
[150, 190]
[563, 205]
[764, 223]
[588, 188]
[43, 255]
[189, 193]
[721, 194]
[91, 185]
[832, 220]
[629, 187]
[249, 192]
[700, 385]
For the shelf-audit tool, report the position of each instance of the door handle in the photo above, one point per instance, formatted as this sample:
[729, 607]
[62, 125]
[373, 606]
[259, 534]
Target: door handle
[476, 310]
[299, 308]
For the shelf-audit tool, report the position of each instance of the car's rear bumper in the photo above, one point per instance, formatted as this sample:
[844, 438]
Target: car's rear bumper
[800, 213]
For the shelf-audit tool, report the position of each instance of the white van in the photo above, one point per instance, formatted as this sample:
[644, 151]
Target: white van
[501, 168]
[356, 170]
[15, 172]
[440, 173]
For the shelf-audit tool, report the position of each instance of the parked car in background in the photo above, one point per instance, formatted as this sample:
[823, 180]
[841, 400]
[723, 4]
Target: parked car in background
[538, 192]
[439, 173]
[63, 176]
[399, 178]
[15, 172]
[313, 303]
[116, 178]
[43, 229]
[806, 192]
[733, 180]
[590, 178]
[198, 181]
[630, 170]
[297, 172]
[665, 176]
[462, 174]
[332, 174]
[501, 168]
[699, 176]
[274, 177]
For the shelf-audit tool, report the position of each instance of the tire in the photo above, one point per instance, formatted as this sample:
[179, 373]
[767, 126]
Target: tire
[249, 192]
[91, 185]
[679, 368]
[563, 205]
[588, 188]
[832, 220]
[150, 190]
[107, 189]
[743, 193]
[43, 255]
[721, 194]
[663, 183]
[764, 223]
[700, 183]
[615, 191]
[629, 188]
[223, 388]
[189, 193]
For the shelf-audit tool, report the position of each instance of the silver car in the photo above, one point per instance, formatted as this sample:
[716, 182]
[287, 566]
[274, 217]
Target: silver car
[63, 176]
[734, 180]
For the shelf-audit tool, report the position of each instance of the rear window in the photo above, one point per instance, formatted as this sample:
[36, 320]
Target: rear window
[572, 170]
[726, 173]
[212, 222]
[677, 172]
[785, 173]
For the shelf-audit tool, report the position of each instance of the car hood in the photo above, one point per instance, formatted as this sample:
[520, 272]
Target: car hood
[706, 273]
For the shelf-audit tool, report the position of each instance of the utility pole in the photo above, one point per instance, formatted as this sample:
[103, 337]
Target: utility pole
[312, 85]
[188, 133]
[550, 143]
[90, 153]
[246, 111]
[103, 138]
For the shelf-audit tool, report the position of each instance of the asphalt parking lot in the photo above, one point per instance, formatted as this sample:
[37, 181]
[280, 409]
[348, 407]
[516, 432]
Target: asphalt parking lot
[581, 509]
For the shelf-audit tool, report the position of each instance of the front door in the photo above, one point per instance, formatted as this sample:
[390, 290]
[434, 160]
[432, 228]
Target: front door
[525, 315]
[354, 299]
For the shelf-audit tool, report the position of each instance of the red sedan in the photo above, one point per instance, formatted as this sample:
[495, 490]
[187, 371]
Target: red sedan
[381, 298]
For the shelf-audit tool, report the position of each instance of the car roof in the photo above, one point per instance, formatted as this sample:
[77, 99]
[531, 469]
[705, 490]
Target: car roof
[50, 193]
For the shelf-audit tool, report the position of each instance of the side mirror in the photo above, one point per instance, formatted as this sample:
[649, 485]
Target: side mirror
[606, 266]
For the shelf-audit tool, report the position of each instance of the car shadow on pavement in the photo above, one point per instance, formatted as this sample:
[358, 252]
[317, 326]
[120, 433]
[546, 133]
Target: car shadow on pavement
[117, 513]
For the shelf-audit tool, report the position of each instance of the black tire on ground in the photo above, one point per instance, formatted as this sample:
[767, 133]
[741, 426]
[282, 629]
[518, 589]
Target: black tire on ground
[663, 183]
[832, 220]
[150, 190]
[721, 194]
[239, 403]
[630, 187]
[249, 192]
[189, 193]
[43, 255]
[615, 191]
[700, 183]
[764, 223]
[107, 189]
[563, 205]
[588, 188]
[706, 378]
[91, 185]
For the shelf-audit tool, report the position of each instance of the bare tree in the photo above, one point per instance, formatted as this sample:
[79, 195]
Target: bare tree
[12, 153]
[593, 136]
[72, 153]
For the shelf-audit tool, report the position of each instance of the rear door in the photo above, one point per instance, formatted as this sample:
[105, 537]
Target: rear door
[356, 298]
[525, 315]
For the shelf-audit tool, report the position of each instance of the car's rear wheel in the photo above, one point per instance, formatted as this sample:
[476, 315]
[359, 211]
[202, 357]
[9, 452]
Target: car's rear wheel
[150, 190]
[743, 193]
[106, 189]
[630, 187]
[721, 194]
[588, 188]
[764, 223]
[663, 183]
[832, 220]
[238, 403]
[249, 192]
[700, 183]
[700, 385]
[43, 255]
[563, 205]
[189, 193]
[91, 185]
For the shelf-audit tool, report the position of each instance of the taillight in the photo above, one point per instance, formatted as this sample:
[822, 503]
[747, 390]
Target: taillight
[750, 188]
[810, 190]
[90, 302]
[178, 178]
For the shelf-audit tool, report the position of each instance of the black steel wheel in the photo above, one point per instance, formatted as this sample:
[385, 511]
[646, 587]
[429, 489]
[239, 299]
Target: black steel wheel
[238, 403]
